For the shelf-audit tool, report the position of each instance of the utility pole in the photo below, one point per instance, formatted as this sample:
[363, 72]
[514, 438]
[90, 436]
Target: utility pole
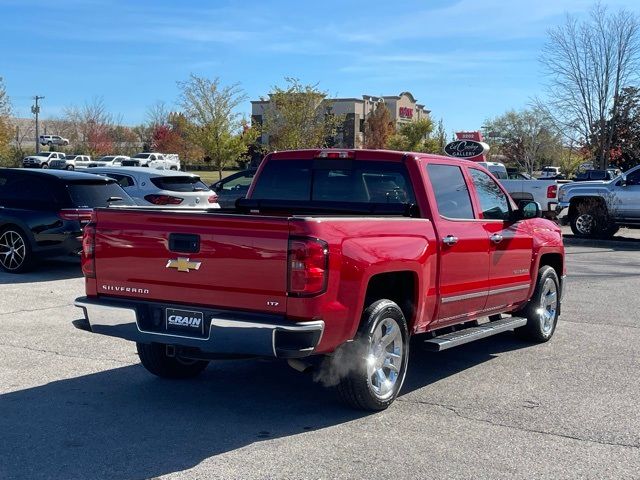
[35, 109]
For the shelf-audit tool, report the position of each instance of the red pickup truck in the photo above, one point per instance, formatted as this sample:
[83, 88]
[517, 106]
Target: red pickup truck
[339, 255]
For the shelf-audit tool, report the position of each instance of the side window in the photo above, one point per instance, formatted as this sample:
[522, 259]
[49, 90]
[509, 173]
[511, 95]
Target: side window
[634, 178]
[493, 201]
[240, 184]
[452, 194]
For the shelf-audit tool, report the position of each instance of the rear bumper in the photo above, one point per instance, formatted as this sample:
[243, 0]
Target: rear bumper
[230, 332]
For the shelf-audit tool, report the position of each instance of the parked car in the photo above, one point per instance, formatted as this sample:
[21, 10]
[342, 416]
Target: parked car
[42, 213]
[544, 192]
[52, 140]
[161, 187]
[600, 208]
[108, 161]
[70, 162]
[235, 186]
[337, 254]
[41, 160]
[550, 172]
[154, 160]
[496, 168]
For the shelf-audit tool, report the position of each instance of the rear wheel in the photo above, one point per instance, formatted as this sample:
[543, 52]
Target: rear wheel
[377, 358]
[15, 251]
[70, 167]
[543, 309]
[45, 165]
[154, 358]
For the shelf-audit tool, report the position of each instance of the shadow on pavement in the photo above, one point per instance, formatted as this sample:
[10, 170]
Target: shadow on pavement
[126, 424]
[44, 271]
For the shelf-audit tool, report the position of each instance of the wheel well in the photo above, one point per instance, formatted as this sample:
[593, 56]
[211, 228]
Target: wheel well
[554, 260]
[399, 287]
[588, 201]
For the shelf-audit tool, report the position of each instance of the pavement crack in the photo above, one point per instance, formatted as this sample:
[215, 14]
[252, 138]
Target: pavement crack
[53, 352]
[457, 412]
[23, 310]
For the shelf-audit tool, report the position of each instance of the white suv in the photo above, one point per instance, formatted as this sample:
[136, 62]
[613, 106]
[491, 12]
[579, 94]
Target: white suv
[53, 140]
[70, 162]
[41, 160]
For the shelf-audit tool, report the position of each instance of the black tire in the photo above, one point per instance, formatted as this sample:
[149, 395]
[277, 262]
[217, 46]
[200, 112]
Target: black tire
[356, 387]
[45, 165]
[14, 240]
[541, 326]
[70, 167]
[154, 358]
[593, 222]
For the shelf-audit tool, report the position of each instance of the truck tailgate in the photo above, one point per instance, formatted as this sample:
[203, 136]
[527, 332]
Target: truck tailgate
[240, 263]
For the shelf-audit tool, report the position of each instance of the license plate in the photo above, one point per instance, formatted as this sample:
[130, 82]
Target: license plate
[184, 321]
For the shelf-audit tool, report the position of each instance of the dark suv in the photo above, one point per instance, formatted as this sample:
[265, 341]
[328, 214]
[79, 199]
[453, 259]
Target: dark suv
[42, 212]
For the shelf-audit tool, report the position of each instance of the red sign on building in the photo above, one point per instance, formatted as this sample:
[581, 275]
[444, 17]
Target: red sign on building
[406, 112]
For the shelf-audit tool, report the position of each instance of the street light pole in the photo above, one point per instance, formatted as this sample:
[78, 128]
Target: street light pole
[35, 109]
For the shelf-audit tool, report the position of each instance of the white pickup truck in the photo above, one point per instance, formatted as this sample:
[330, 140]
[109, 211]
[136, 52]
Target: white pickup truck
[154, 160]
[524, 187]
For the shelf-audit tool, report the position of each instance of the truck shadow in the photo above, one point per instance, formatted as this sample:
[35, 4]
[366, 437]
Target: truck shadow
[124, 423]
[44, 271]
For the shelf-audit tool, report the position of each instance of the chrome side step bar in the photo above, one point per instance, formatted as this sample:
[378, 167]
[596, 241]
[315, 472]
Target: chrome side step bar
[466, 335]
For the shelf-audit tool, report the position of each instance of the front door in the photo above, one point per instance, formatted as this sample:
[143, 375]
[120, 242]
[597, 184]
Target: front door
[627, 198]
[464, 247]
[510, 245]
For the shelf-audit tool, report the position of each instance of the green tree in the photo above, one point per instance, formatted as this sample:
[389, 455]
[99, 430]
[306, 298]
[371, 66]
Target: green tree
[417, 137]
[378, 128]
[527, 138]
[5, 126]
[214, 124]
[299, 116]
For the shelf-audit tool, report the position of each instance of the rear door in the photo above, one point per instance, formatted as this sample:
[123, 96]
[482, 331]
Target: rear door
[510, 243]
[464, 246]
[628, 197]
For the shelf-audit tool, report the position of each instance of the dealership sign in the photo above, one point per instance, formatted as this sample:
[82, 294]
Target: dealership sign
[466, 148]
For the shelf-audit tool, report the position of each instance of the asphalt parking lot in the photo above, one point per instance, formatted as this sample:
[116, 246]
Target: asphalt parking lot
[76, 405]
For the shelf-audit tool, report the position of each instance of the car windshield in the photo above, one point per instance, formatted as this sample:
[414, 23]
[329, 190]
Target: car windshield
[106, 159]
[180, 184]
[142, 155]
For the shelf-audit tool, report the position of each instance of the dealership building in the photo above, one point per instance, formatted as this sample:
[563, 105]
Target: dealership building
[404, 108]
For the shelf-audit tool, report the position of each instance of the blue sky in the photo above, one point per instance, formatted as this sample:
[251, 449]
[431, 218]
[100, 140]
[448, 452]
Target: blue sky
[466, 60]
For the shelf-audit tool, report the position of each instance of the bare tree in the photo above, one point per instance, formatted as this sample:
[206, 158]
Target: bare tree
[158, 114]
[90, 127]
[588, 63]
[5, 122]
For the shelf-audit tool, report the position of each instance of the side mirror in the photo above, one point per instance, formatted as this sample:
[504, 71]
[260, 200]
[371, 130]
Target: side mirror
[527, 209]
[623, 182]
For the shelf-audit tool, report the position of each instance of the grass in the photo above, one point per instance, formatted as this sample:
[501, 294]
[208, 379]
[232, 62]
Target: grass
[212, 177]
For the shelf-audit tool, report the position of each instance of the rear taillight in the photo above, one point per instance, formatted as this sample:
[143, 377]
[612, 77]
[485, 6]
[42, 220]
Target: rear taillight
[308, 263]
[81, 215]
[213, 198]
[163, 199]
[88, 258]
[552, 191]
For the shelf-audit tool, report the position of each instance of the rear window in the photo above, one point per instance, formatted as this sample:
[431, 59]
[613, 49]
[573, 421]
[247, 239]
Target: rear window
[180, 184]
[334, 181]
[90, 194]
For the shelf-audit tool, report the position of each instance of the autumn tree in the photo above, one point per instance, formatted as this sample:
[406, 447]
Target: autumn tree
[378, 127]
[588, 63]
[625, 142]
[299, 116]
[213, 121]
[527, 138]
[90, 127]
[5, 125]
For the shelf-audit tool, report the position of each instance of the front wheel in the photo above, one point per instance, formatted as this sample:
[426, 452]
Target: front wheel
[543, 309]
[70, 167]
[376, 361]
[15, 251]
[154, 358]
[45, 165]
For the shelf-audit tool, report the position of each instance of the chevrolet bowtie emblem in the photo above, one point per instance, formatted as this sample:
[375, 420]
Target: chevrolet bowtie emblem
[183, 264]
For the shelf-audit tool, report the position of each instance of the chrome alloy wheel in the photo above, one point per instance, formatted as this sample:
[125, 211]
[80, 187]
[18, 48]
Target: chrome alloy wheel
[12, 250]
[548, 306]
[585, 223]
[384, 358]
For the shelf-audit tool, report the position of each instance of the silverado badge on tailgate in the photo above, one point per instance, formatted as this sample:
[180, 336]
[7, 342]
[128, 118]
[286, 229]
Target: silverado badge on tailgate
[183, 264]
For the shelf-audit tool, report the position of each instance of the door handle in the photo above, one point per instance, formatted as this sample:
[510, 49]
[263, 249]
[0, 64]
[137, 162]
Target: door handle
[496, 238]
[450, 240]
